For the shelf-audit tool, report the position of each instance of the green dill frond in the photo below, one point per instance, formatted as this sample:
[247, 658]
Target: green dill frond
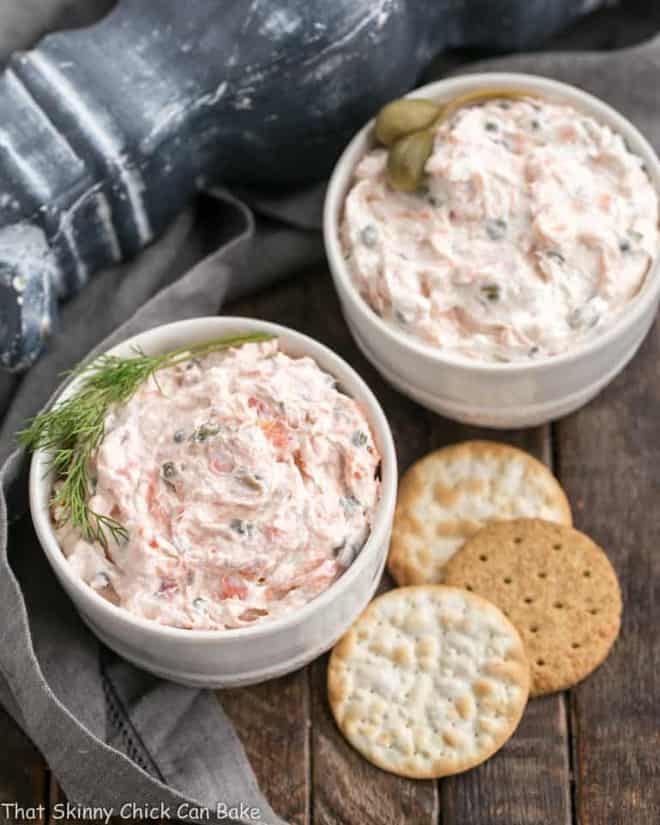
[71, 430]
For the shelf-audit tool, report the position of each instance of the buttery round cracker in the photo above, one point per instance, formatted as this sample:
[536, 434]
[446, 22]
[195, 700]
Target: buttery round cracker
[557, 587]
[429, 681]
[450, 494]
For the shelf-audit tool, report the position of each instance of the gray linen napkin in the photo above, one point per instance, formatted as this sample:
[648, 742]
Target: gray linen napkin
[110, 732]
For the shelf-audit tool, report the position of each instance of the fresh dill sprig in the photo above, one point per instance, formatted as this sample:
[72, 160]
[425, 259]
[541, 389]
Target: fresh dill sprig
[72, 429]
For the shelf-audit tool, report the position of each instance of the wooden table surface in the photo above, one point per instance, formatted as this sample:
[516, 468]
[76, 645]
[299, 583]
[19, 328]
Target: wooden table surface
[590, 755]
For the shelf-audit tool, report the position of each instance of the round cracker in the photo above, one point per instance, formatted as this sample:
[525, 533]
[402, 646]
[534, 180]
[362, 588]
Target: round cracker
[558, 588]
[450, 494]
[429, 681]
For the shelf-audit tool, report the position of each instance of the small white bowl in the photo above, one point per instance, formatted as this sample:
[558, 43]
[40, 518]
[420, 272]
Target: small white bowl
[228, 658]
[492, 394]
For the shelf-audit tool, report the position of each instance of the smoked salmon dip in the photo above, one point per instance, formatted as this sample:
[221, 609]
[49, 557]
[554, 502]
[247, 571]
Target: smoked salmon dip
[532, 230]
[247, 481]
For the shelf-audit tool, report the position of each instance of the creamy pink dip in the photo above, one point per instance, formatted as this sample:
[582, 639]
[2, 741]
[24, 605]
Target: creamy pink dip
[247, 482]
[534, 228]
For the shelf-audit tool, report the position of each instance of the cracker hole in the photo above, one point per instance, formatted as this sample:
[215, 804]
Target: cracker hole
[575, 645]
[556, 546]
[468, 587]
[540, 662]
[543, 575]
[483, 558]
[528, 600]
[534, 629]
[507, 580]
[593, 611]
[558, 605]
[587, 574]
[517, 540]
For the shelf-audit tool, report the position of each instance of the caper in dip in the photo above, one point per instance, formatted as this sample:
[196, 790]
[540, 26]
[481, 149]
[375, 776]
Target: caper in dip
[246, 482]
[532, 227]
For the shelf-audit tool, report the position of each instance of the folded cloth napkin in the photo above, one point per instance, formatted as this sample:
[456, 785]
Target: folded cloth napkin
[110, 732]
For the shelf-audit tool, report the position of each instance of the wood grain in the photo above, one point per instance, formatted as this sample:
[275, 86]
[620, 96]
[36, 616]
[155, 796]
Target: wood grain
[528, 781]
[23, 774]
[609, 462]
[273, 722]
[346, 788]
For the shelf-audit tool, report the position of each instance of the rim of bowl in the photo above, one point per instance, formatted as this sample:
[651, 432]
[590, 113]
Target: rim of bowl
[441, 90]
[198, 330]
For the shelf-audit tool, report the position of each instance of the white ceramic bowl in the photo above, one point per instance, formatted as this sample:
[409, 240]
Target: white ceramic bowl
[492, 395]
[214, 658]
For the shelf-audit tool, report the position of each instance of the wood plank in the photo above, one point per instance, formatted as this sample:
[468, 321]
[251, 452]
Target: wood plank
[273, 722]
[24, 776]
[346, 788]
[609, 462]
[528, 781]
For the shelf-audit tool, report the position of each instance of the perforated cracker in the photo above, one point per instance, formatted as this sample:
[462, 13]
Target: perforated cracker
[430, 681]
[450, 494]
[556, 586]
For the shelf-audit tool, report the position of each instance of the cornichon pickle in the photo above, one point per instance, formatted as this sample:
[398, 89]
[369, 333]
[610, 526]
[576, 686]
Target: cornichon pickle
[481, 95]
[402, 117]
[403, 126]
[406, 160]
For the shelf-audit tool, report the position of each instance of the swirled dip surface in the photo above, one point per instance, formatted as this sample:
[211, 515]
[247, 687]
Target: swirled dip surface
[534, 227]
[246, 481]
